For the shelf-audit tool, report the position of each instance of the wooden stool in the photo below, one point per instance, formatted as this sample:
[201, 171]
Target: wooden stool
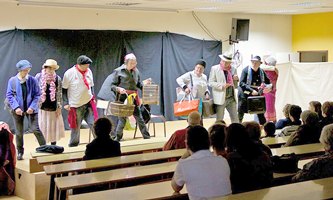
[152, 117]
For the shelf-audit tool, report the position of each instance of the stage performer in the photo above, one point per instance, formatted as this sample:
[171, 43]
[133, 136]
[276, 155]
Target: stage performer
[50, 119]
[24, 102]
[221, 80]
[78, 96]
[252, 80]
[126, 80]
[272, 73]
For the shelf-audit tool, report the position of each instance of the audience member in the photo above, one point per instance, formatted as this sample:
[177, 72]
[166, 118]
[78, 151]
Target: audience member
[294, 116]
[177, 139]
[315, 106]
[205, 174]
[284, 122]
[250, 167]
[254, 130]
[269, 128]
[327, 112]
[217, 138]
[7, 160]
[102, 146]
[323, 166]
[307, 133]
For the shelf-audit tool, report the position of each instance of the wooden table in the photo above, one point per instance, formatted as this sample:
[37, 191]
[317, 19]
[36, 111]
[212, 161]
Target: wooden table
[307, 190]
[81, 148]
[129, 174]
[162, 190]
[126, 150]
[112, 177]
[275, 142]
[302, 151]
[59, 169]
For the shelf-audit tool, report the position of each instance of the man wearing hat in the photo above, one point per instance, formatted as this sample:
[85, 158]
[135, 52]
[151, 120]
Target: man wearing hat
[78, 97]
[221, 80]
[126, 80]
[23, 95]
[253, 79]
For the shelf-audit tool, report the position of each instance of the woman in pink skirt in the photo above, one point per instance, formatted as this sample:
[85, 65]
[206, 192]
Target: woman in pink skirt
[272, 73]
[50, 120]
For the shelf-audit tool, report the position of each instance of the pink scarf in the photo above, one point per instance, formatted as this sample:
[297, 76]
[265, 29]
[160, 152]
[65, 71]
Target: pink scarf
[45, 79]
[229, 79]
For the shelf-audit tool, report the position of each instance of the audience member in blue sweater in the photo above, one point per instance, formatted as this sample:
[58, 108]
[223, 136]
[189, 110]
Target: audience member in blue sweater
[286, 121]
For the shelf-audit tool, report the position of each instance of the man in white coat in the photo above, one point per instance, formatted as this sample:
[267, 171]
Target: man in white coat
[221, 81]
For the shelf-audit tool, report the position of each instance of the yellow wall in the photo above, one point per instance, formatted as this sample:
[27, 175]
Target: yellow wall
[313, 32]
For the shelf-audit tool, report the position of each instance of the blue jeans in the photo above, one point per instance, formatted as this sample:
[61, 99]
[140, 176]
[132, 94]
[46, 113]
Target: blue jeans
[230, 105]
[33, 122]
[138, 117]
[84, 112]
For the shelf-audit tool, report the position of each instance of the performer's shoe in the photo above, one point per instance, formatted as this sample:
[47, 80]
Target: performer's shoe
[20, 156]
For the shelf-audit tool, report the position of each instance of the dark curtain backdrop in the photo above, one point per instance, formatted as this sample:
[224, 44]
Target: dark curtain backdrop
[160, 56]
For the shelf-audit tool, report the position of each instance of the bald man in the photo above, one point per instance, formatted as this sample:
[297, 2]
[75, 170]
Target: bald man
[177, 139]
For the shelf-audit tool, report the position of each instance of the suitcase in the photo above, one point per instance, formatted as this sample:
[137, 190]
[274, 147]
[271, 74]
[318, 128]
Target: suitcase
[256, 105]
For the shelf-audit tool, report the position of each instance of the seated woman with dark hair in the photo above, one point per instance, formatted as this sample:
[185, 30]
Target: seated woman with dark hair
[102, 146]
[250, 167]
[269, 128]
[254, 130]
[307, 133]
[217, 135]
[294, 115]
[284, 122]
[323, 166]
[327, 112]
[315, 106]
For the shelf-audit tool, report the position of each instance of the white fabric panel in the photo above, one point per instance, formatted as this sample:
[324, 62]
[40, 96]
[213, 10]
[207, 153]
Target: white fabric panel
[300, 83]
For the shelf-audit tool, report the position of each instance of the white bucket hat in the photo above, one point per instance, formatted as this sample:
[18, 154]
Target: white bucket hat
[227, 56]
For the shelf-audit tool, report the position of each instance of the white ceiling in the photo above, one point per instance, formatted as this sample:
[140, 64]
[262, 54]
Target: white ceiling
[222, 6]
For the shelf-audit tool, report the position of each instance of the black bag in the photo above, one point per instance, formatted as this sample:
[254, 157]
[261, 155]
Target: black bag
[256, 104]
[145, 111]
[7, 104]
[50, 149]
[287, 163]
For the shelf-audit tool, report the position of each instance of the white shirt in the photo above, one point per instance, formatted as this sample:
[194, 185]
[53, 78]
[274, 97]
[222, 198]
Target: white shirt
[205, 174]
[78, 93]
[199, 84]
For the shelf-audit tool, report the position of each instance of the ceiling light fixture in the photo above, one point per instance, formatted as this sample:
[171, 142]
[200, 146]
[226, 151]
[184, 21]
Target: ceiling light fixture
[112, 7]
[307, 4]
[208, 8]
[282, 11]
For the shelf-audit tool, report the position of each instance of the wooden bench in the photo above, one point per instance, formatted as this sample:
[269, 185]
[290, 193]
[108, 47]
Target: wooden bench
[61, 169]
[129, 174]
[127, 150]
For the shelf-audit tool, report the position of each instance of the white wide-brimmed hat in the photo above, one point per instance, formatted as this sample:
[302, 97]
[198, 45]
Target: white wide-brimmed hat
[51, 63]
[227, 56]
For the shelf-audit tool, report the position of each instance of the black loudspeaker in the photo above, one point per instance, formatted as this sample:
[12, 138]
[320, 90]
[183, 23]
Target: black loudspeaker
[240, 30]
[256, 105]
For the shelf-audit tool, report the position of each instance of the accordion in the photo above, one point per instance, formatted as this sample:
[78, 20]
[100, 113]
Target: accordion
[256, 105]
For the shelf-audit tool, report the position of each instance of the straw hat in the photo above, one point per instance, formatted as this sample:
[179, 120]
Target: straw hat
[227, 56]
[51, 63]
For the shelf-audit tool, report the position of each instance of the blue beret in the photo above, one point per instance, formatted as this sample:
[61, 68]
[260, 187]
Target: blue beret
[23, 64]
